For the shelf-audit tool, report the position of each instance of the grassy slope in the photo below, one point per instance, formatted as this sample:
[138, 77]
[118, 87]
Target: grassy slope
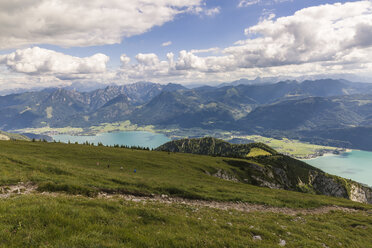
[257, 152]
[74, 169]
[43, 221]
[71, 221]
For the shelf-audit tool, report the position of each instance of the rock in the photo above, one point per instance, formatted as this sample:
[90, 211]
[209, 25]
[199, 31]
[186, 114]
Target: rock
[329, 186]
[282, 176]
[224, 175]
[360, 193]
[264, 183]
[257, 237]
[282, 242]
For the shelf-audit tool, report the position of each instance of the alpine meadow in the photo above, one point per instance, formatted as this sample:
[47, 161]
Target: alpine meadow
[190, 123]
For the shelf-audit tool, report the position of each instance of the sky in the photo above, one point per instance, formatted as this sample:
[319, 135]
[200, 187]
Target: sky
[54, 43]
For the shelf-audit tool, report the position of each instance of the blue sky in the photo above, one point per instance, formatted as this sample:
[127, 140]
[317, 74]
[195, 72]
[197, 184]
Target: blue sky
[190, 31]
[112, 42]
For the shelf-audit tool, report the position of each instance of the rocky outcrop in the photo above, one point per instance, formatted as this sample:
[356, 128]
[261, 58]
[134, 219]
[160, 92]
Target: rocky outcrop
[226, 176]
[223, 175]
[327, 185]
[360, 193]
[281, 176]
[335, 186]
[265, 183]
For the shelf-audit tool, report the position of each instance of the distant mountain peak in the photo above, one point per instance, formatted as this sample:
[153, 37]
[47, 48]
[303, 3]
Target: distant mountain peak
[119, 99]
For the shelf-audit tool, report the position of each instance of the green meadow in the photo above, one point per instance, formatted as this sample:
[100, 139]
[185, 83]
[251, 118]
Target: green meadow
[71, 214]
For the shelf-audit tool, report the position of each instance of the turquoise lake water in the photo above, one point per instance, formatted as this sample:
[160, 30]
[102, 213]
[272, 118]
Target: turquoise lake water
[355, 165]
[133, 138]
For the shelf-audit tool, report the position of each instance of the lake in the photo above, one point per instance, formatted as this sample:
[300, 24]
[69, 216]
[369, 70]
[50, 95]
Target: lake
[131, 138]
[355, 165]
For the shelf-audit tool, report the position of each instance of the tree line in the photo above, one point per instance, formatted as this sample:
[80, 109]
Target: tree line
[87, 143]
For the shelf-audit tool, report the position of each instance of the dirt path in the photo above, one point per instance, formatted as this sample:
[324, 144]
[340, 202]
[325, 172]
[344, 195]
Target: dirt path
[28, 188]
[240, 206]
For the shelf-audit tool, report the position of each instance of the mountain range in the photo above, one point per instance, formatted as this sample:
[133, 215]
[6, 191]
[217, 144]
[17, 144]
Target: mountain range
[326, 111]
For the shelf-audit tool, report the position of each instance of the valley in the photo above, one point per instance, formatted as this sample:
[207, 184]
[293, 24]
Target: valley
[327, 112]
[295, 148]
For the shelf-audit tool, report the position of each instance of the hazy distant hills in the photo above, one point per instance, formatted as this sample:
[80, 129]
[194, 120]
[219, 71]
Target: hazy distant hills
[319, 110]
[183, 108]
[303, 114]
[56, 106]
[338, 120]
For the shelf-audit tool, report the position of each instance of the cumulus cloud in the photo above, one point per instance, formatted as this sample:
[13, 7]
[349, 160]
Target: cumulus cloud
[330, 38]
[83, 23]
[148, 59]
[39, 61]
[321, 33]
[325, 39]
[168, 43]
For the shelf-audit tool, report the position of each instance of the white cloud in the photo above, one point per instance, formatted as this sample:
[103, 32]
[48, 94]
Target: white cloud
[148, 59]
[321, 33]
[187, 61]
[39, 61]
[83, 23]
[328, 39]
[246, 3]
[323, 39]
[267, 14]
[212, 11]
[124, 59]
[208, 50]
[202, 10]
[168, 43]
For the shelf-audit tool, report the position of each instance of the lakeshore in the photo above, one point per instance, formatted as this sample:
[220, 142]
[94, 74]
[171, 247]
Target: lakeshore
[293, 148]
[352, 164]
